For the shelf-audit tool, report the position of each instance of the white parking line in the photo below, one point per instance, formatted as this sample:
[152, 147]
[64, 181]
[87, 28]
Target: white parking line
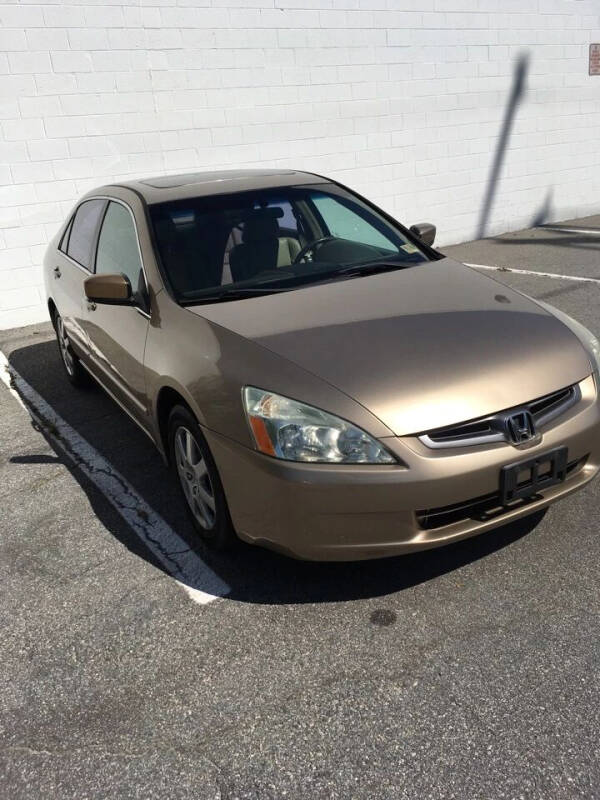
[558, 229]
[553, 275]
[198, 580]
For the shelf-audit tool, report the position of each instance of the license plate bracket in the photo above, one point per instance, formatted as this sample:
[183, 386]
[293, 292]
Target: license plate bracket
[526, 478]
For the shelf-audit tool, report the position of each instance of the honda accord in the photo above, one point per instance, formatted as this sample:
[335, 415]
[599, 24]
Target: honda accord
[321, 380]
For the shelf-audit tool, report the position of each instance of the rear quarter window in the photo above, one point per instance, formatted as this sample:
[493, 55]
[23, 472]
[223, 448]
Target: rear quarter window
[64, 239]
[82, 238]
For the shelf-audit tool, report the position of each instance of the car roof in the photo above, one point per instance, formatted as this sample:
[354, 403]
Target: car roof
[200, 184]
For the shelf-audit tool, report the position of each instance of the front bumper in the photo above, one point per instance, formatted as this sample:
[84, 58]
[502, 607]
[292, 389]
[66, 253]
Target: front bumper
[352, 512]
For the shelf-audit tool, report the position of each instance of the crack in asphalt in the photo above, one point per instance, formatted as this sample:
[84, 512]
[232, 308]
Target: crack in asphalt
[180, 561]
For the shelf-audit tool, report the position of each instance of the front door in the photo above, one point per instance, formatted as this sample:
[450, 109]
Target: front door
[117, 334]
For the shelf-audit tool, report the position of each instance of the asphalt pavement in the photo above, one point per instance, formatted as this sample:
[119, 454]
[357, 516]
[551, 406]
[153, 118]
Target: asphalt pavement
[466, 672]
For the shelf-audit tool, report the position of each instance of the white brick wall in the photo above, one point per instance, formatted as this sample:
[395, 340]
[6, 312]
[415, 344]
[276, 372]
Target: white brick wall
[402, 99]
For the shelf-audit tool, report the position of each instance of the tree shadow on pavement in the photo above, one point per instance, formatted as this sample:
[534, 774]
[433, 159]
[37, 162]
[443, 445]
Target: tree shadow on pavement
[255, 575]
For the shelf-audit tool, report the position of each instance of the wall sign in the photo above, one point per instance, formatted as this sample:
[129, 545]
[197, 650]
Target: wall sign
[595, 59]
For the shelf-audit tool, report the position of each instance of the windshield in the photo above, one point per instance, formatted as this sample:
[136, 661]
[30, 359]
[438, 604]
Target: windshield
[226, 246]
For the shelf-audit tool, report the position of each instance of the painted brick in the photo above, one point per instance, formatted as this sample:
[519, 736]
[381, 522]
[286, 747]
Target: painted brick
[22, 129]
[402, 99]
[87, 39]
[14, 257]
[55, 190]
[11, 39]
[53, 84]
[71, 61]
[63, 16]
[111, 60]
[63, 126]
[30, 172]
[39, 106]
[104, 16]
[46, 39]
[19, 298]
[42, 213]
[17, 16]
[28, 62]
[24, 316]
[21, 277]
[24, 235]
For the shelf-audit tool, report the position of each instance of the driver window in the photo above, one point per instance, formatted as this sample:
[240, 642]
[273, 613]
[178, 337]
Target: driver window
[118, 247]
[288, 224]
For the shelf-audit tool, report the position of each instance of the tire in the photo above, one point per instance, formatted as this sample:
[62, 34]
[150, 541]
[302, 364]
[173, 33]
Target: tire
[198, 479]
[72, 366]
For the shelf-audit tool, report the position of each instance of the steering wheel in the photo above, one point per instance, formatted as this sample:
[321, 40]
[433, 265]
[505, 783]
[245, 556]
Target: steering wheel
[311, 246]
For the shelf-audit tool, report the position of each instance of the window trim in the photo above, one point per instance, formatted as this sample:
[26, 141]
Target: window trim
[66, 234]
[70, 229]
[108, 198]
[144, 301]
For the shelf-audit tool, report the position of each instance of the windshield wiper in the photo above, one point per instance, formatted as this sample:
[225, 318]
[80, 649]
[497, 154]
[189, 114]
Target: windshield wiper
[372, 267]
[351, 270]
[231, 294]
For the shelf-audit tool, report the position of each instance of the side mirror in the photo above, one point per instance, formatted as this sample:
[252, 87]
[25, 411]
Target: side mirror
[425, 231]
[111, 289]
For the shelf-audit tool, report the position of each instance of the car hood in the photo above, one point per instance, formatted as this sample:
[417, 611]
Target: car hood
[420, 348]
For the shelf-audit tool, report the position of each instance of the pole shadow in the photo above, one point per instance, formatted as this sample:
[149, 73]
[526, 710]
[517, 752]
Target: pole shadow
[515, 97]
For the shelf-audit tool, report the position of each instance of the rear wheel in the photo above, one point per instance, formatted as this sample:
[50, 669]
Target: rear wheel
[199, 480]
[75, 372]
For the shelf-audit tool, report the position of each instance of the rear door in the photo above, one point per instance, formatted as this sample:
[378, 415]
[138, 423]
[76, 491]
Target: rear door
[71, 265]
[117, 334]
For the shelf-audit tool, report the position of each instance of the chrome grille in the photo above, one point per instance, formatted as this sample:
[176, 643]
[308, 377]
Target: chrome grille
[497, 428]
[552, 405]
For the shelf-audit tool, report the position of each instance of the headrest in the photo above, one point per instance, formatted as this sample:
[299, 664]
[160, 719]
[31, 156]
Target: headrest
[261, 225]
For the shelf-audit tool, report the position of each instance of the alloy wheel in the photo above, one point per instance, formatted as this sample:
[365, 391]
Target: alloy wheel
[194, 478]
[65, 347]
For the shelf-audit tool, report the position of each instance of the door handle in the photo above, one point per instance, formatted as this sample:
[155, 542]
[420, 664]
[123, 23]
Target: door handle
[57, 272]
[91, 306]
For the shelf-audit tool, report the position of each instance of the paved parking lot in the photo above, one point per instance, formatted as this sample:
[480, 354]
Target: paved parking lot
[135, 664]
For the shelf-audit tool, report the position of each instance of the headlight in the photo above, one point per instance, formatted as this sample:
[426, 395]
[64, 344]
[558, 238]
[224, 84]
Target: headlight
[293, 431]
[587, 338]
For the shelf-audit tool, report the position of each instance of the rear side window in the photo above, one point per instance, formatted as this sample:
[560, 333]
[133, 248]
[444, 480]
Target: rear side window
[118, 247]
[80, 246]
[287, 218]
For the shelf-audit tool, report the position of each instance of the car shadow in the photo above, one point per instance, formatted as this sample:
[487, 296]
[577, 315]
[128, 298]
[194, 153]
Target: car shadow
[254, 575]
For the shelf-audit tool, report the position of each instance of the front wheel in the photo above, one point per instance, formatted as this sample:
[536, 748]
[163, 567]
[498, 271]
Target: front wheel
[199, 481]
[75, 372]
